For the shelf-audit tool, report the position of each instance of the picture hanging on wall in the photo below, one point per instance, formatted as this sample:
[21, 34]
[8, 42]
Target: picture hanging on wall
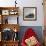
[29, 13]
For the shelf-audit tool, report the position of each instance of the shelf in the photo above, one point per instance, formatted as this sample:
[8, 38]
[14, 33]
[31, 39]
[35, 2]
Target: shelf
[10, 26]
[8, 11]
[8, 15]
[4, 8]
[11, 41]
[9, 19]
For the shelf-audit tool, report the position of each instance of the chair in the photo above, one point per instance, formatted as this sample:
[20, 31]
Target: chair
[28, 36]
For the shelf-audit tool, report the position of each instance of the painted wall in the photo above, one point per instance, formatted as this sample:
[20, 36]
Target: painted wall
[26, 3]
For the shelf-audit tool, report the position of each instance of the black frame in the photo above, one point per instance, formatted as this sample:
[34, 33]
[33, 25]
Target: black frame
[26, 11]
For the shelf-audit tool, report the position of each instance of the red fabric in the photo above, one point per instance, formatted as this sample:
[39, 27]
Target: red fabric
[28, 33]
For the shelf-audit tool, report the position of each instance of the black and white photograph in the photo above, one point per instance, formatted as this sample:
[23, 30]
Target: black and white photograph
[30, 13]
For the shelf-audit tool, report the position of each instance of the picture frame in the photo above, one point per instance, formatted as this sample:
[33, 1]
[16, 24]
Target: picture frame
[5, 12]
[13, 12]
[29, 13]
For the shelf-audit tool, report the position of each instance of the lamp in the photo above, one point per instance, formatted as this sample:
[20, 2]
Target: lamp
[15, 3]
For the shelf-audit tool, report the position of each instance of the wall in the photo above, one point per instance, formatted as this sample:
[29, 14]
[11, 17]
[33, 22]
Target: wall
[34, 3]
[27, 3]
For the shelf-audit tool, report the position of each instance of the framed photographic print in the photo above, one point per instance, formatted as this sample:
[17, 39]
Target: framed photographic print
[5, 12]
[29, 13]
[13, 12]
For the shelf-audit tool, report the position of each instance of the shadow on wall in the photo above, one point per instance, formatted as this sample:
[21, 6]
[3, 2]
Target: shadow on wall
[37, 29]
